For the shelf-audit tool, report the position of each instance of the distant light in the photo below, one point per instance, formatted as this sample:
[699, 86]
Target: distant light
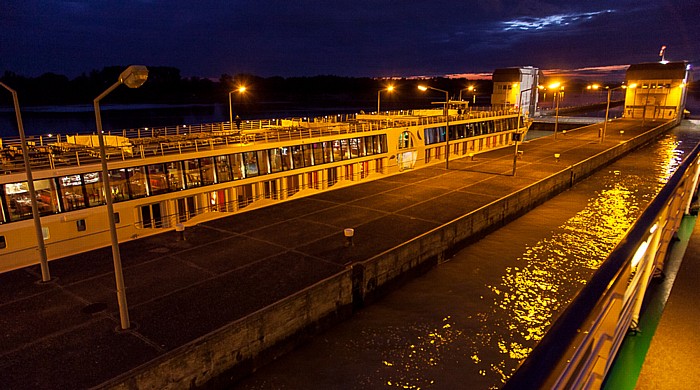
[653, 228]
[554, 85]
[633, 85]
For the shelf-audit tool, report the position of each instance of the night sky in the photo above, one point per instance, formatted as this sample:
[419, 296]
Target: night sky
[378, 38]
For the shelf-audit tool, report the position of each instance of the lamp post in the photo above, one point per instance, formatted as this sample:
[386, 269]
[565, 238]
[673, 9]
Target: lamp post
[557, 96]
[607, 109]
[473, 92]
[43, 260]
[133, 77]
[240, 89]
[520, 114]
[389, 89]
[447, 121]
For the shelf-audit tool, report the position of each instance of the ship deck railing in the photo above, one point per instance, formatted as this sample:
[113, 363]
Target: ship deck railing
[55, 151]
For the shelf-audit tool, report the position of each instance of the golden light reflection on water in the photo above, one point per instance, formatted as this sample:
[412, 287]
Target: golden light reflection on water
[411, 364]
[549, 273]
[539, 283]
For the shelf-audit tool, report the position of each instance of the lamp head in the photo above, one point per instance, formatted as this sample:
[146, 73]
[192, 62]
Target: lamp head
[134, 76]
[423, 88]
[241, 89]
[390, 88]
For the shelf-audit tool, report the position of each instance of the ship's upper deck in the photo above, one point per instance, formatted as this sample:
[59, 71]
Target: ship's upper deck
[54, 151]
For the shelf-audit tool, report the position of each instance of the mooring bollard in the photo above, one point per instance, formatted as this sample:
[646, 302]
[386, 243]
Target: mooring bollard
[180, 229]
[348, 236]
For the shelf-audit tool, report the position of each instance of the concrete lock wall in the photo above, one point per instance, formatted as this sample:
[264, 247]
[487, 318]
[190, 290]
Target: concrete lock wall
[237, 349]
[244, 345]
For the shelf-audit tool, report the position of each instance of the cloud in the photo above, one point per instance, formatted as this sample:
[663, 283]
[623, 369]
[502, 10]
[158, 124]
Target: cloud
[551, 21]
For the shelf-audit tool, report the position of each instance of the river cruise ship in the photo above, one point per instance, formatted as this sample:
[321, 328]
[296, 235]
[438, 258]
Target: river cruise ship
[174, 177]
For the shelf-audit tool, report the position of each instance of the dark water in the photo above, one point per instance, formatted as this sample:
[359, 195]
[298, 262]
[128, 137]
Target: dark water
[81, 119]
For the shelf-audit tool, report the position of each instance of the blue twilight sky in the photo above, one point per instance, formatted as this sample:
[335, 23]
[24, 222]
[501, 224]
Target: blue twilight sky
[376, 38]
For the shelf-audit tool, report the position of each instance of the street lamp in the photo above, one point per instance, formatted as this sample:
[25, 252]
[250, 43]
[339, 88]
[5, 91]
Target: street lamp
[472, 90]
[557, 96]
[240, 89]
[389, 89]
[447, 121]
[607, 109]
[43, 260]
[133, 77]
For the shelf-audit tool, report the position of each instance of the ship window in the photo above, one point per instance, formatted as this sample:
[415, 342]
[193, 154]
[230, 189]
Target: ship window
[206, 164]
[81, 225]
[46, 196]
[318, 153]
[345, 149]
[355, 147]
[434, 135]
[116, 218]
[276, 160]
[223, 169]
[119, 184]
[286, 156]
[308, 155]
[192, 174]
[244, 195]
[251, 164]
[369, 146]
[3, 243]
[136, 177]
[297, 156]
[175, 175]
[237, 166]
[263, 162]
[332, 174]
[337, 151]
[328, 151]
[405, 140]
[157, 179]
[94, 188]
[71, 190]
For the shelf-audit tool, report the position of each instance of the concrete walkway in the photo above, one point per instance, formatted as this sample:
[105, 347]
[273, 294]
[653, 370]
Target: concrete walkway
[64, 334]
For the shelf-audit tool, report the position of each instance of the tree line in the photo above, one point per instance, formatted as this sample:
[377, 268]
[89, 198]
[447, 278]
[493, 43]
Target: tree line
[166, 85]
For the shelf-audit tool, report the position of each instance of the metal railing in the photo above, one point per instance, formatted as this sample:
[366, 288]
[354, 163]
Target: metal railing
[56, 151]
[168, 221]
